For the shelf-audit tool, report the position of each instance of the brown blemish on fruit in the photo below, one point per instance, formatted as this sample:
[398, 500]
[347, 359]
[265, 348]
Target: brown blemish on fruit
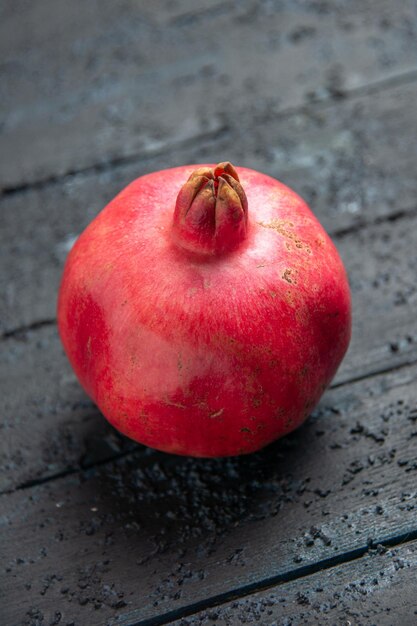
[108, 267]
[282, 228]
[288, 276]
[256, 402]
[289, 298]
[245, 429]
[177, 405]
[279, 226]
[302, 316]
[202, 405]
[280, 413]
[229, 344]
[216, 413]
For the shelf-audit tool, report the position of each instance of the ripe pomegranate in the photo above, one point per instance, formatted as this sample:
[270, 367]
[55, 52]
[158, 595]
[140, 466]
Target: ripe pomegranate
[205, 316]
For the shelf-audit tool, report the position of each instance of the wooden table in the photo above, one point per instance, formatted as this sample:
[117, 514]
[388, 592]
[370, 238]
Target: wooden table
[320, 527]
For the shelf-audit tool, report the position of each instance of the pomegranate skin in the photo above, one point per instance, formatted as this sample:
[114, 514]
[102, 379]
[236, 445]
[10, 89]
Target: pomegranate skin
[204, 355]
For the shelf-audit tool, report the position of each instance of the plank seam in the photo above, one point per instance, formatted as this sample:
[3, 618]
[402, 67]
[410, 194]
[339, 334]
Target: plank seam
[83, 467]
[112, 163]
[406, 362]
[340, 233]
[274, 581]
[15, 332]
[326, 101]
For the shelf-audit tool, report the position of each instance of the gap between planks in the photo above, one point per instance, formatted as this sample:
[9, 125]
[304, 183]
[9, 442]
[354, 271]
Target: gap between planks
[109, 164]
[379, 86]
[273, 581]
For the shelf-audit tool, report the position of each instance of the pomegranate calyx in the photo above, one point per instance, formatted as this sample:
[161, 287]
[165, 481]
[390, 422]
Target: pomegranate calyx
[211, 211]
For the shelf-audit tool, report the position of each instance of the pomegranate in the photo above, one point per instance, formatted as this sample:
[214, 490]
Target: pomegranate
[205, 316]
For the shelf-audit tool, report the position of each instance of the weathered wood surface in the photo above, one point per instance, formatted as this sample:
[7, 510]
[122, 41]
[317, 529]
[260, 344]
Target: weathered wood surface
[88, 82]
[152, 533]
[376, 589]
[50, 426]
[98, 530]
[340, 158]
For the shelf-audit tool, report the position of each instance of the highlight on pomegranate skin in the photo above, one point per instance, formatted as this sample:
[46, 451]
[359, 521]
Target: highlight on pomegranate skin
[205, 310]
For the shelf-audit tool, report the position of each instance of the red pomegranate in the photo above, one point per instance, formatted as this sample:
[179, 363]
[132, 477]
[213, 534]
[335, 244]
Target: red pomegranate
[205, 316]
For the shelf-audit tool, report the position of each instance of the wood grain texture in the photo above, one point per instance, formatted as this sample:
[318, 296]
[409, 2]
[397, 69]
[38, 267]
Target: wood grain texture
[340, 158]
[153, 533]
[376, 589]
[95, 529]
[92, 82]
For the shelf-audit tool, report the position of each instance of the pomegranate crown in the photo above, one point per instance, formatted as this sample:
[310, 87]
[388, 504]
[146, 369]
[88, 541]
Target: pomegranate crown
[211, 211]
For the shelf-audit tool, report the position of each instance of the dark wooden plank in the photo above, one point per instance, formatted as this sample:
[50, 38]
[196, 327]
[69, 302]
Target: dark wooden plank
[149, 534]
[379, 588]
[49, 424]
[339, 158]
[381, 262]
[85, 83]
[154, 533]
